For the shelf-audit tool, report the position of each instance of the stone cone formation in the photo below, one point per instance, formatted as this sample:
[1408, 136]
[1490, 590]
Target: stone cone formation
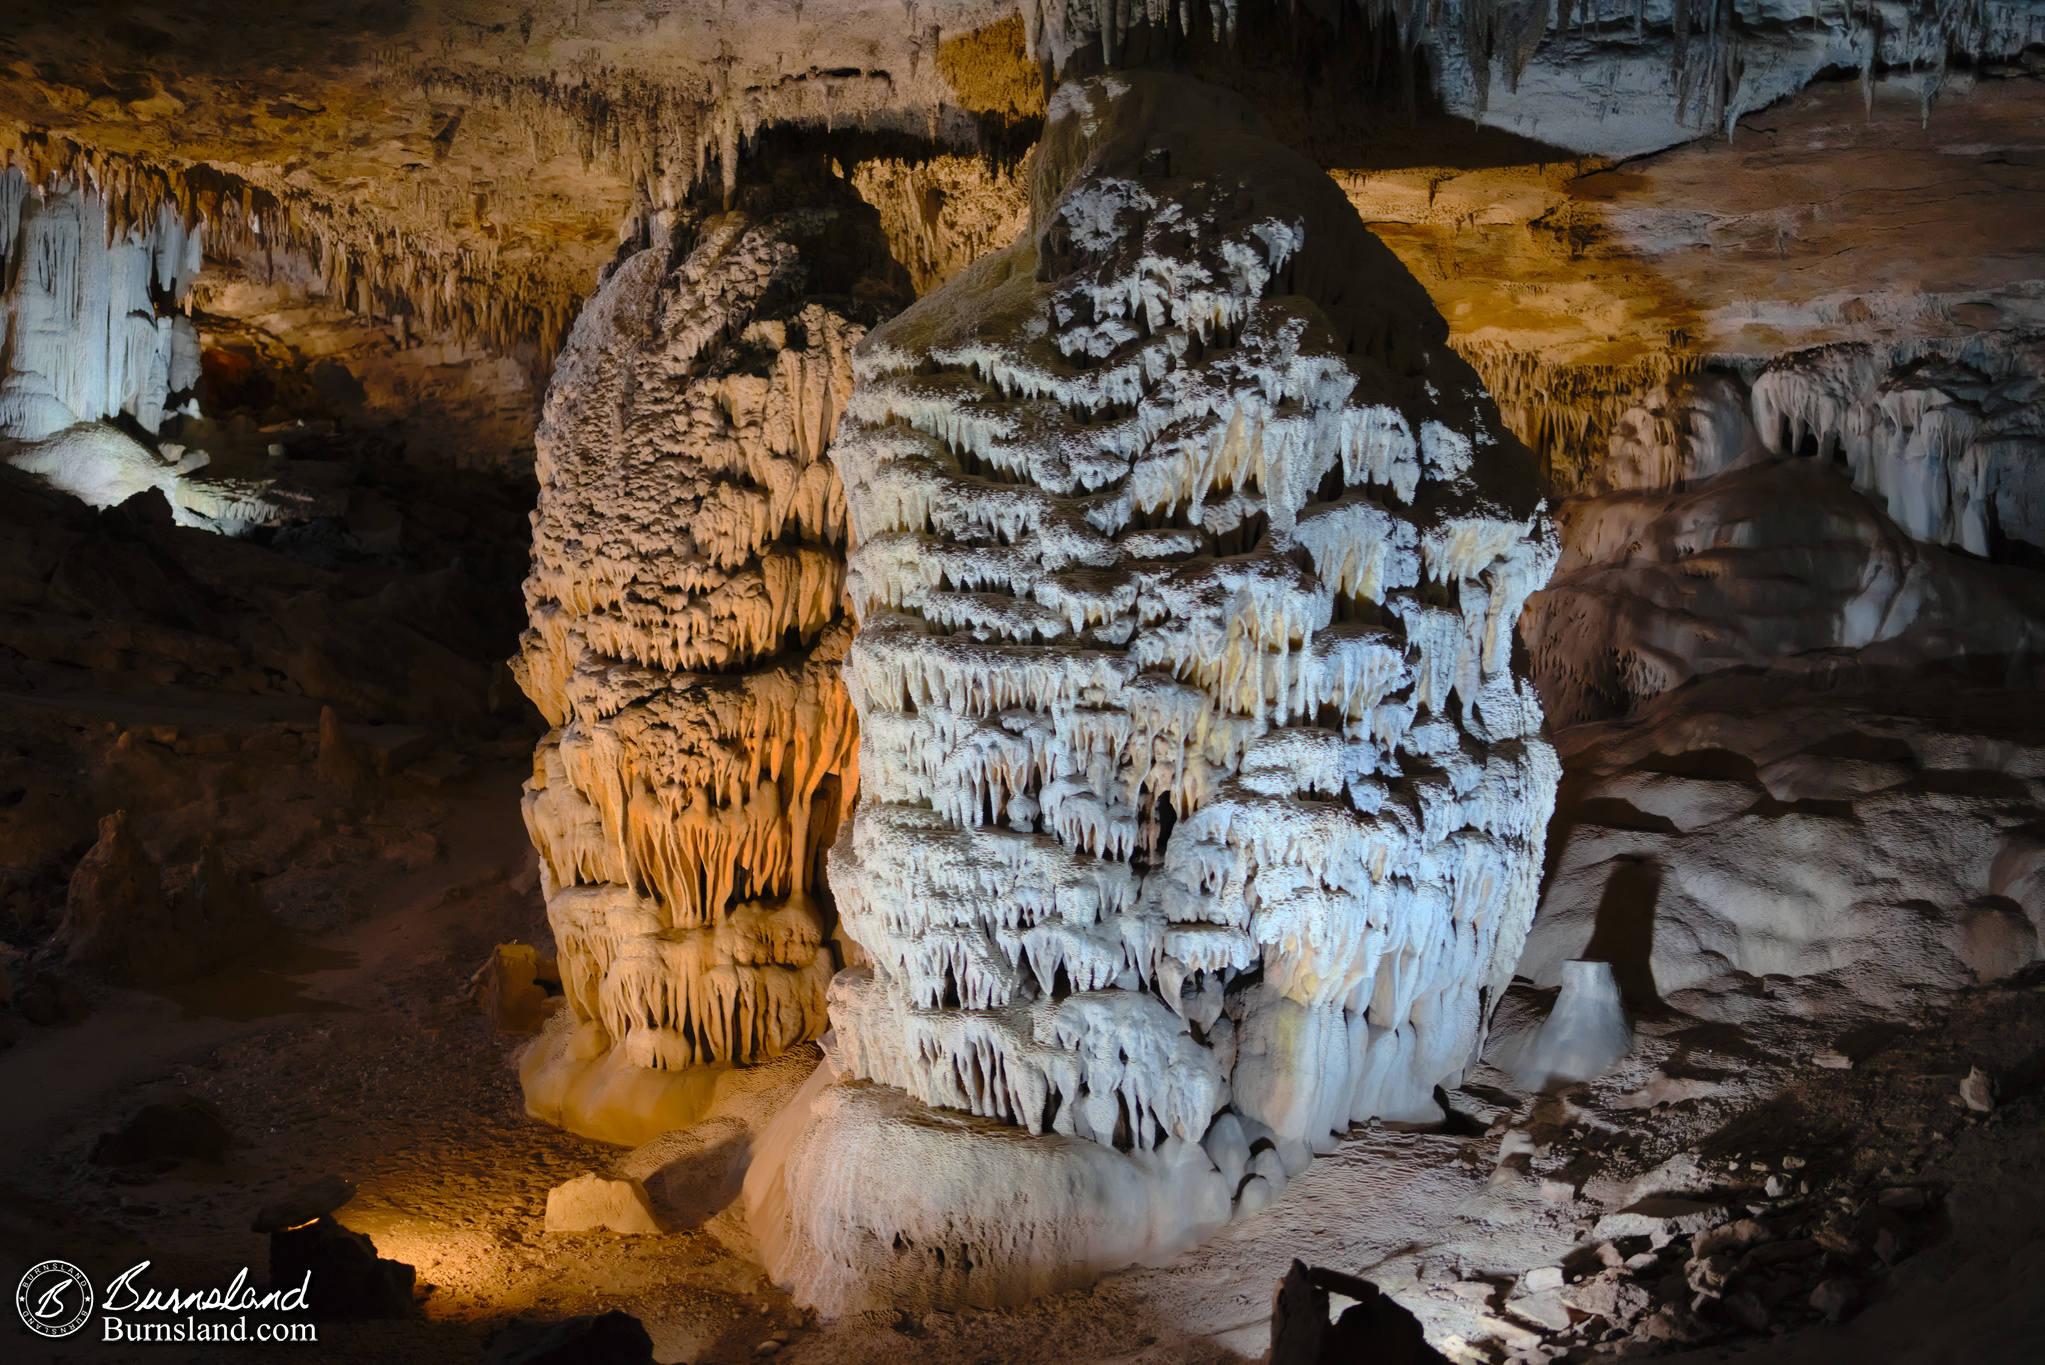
[687, 609]
[1198, 776]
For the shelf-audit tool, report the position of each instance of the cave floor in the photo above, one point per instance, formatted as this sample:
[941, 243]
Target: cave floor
[353, 1049]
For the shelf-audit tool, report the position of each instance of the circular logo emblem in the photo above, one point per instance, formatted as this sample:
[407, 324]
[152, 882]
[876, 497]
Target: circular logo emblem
[54, 1298]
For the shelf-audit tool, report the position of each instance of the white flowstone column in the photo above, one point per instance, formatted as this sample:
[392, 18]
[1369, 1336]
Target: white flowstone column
[1198, 774]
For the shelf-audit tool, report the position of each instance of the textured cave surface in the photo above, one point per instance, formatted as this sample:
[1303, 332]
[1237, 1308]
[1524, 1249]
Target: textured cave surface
[687, 607]
[1078, 734]
[1157, 840]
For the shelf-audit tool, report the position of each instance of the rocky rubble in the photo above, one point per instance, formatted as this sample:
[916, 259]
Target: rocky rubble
[1720, 1195]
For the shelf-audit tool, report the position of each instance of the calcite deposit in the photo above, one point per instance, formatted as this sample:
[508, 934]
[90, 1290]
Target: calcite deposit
[1198, 778]
[1113, 771]
[1800, 524]
[84, 340]
[687, 601]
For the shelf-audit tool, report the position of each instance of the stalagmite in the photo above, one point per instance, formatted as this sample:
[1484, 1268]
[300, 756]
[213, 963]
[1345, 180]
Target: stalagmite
[1586, 1032]
[687, 619]
[1198, 777]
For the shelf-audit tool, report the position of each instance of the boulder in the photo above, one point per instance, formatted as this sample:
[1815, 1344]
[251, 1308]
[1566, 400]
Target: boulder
[692, 1173]
[1611, 1294]
[509, 988]
[1372, 1329]
[1977, 1092]
[347, 1278]
[592, 1202]
[1661, 1215]
[49, 998]
[1835, 1298]
[611, 1338]
[167, 1131]
[324, 1196]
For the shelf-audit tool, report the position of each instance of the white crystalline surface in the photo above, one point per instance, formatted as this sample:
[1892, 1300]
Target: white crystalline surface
[1197, 771]
[687, 625]
[82, 336]
[1612, 79]
[1948, 436]
[1799, 526]
[89, 331]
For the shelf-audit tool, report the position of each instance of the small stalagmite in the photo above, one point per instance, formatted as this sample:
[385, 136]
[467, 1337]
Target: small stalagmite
[687, 621]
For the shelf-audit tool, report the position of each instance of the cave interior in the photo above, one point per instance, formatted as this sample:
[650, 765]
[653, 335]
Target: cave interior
[1164, 683]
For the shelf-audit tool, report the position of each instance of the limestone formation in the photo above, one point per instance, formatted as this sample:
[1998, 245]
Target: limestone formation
[122, 919]
[1943, 436]
[1197, 775]
[84, 340]
[687, 607]
[95, 294]
[509, 988]
[1779, 565]
[591, 1202]
[1585, 1033]
[943, 214]
[1859, 843]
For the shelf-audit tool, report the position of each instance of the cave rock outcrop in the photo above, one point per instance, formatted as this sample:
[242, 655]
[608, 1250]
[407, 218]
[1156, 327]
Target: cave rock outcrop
[1828, 519]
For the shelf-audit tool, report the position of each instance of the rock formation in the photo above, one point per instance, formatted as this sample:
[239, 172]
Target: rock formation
[84, 340]
[687, 601]
[120, 917]
[1669, 70]
[1871, 837]
[1797, 742]
[1746, 528]
[96, 330]
[1167, 624]
[1197, 775]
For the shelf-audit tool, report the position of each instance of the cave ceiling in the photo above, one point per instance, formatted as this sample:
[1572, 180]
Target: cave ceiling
[1593, 205]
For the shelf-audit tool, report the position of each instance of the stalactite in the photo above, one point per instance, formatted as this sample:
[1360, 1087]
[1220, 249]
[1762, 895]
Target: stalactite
[1567, 411]
[369, 264]
[943, 214]
[84, 275]
[1702, 47]
[1942, 434]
